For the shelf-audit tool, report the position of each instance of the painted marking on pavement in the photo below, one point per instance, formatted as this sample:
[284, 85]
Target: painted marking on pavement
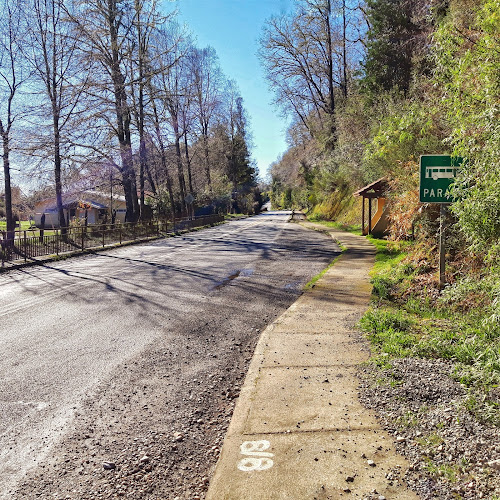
[256, 458]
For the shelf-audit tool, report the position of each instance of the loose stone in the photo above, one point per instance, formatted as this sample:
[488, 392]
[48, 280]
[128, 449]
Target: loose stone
[494, 464]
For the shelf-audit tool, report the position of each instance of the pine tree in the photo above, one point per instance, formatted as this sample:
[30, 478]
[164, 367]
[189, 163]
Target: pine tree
[239, 169]
[392, 40]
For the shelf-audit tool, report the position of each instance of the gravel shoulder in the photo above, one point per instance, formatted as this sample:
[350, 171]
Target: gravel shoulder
[452, 454]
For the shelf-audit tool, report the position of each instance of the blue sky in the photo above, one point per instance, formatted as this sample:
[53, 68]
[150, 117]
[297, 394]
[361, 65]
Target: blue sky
[232, 28]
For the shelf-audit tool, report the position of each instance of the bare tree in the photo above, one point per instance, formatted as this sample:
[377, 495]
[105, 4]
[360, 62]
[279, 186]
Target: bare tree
[57, 68]
[165, 102]
[105, 28]
[208, 82]
[171, 87]
[173, 98]
[306, 59]
[187, 118]
[11, 79]
[146, 22]
[162, 150]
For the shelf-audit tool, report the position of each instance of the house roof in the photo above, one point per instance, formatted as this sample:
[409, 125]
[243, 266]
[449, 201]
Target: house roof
[99, 194]
[89, 198]
[83, 203]
[73, 202]
[374, 190]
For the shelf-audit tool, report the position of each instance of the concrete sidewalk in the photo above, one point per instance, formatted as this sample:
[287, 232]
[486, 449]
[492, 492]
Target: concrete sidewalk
[298, 430]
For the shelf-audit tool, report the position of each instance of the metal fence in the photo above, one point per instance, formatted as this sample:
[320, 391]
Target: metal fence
[28, 245]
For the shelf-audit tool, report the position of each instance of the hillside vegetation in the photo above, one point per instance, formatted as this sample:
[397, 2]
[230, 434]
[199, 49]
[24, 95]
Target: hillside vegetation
[428, 83]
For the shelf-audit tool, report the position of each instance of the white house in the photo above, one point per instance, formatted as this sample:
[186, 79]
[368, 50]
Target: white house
[97, 207]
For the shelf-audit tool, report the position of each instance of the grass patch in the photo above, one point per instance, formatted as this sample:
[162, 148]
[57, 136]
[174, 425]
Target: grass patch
[388, 272]
[235, 216]
[408, 420]
[444, 335]
[401, 324]
[389, 255]
[31, 230]
[483, 408]
[24, 225]
[430, 441]
[449, 472]
[389, 331]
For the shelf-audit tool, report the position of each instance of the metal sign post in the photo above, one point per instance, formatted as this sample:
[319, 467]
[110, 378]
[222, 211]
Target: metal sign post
[437, 173]
[442, 249]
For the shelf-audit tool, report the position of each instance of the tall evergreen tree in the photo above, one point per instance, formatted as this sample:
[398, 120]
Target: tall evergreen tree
[240, 171]
[393, 39]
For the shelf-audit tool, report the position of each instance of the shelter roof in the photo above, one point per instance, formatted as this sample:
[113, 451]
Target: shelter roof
[376, 189]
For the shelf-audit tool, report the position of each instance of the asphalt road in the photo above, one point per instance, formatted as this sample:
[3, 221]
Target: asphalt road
[97, 351]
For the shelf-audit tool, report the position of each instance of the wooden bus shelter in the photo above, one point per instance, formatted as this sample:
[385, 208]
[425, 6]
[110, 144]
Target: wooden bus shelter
[375, 191]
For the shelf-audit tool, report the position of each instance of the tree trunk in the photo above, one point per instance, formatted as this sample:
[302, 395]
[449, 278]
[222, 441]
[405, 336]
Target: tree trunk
[344, 51]
[207, 159]
[57, 172]
[331, 85]
[188, 163]
[122, 119]
[142, 144]
[150, 177]
[163, 157]
[178, 157]
[142, 149]
[11, 227]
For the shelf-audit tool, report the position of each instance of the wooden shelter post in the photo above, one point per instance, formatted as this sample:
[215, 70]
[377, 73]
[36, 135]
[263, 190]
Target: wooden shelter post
[363, 217]
[369, 216]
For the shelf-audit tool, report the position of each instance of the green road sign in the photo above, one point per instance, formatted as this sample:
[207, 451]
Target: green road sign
[437, 173]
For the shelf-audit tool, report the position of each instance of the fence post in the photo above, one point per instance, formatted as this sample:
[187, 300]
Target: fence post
[25, 246]
[120, 234]
[57, 241]
[103, 227]
[83, 238]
